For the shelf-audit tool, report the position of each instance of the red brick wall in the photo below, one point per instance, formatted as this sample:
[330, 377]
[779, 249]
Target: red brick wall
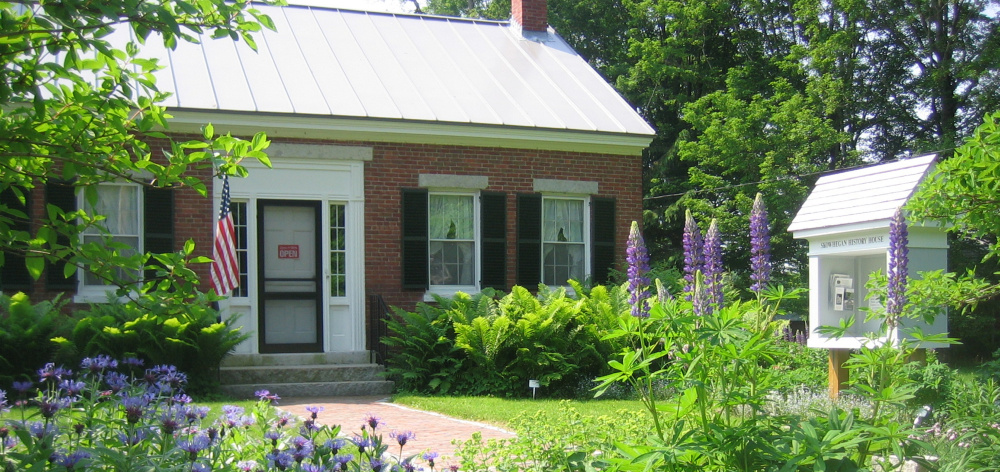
[509, 170]
[532, 15]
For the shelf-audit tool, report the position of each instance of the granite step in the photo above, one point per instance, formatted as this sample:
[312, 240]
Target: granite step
[313, 389]
[236, 375]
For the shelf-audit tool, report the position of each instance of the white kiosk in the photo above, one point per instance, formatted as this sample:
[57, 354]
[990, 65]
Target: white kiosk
[846, 221]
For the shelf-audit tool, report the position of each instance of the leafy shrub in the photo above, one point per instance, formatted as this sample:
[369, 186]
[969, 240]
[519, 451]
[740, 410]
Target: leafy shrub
[799, 367]
[188, 336]
[492, 345]
[26, 331]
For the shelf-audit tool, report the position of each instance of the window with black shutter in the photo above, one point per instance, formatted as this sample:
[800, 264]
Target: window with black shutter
[602, 221]
[529, 240]
[493, 225]
[158, 222]
[414, 244]
[14, 274]
[62, 195]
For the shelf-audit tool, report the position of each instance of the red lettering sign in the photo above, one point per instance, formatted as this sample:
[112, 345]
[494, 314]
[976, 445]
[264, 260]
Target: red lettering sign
[288, 251]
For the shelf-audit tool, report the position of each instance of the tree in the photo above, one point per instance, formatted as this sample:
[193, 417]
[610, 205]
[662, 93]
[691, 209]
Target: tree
[75, 109]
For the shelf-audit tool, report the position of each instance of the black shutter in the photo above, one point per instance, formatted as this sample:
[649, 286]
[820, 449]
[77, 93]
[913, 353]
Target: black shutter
[414, 229]
[14, 274]
[158, 222]
[493, 223]
[603, 238]
[529, 240]
[63, 196]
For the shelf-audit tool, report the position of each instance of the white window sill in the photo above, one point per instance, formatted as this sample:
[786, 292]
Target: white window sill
[96, 295]
[449, 291]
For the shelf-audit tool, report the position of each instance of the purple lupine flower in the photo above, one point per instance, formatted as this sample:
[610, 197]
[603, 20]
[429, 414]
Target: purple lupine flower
[693, 262]
[713, 266]
[403, 436]
[760, 246]
[638, 266]
[898, 258]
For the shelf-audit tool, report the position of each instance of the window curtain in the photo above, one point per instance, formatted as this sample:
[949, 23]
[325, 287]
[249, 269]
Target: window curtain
[451, 217]
[563, 220]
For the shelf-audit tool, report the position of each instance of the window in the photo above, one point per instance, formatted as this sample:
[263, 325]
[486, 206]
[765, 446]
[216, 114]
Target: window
[564, 242]
[121, 205]
[239, 213]
[141, 218]
[452, 239]
[564, 237]
[338, 250]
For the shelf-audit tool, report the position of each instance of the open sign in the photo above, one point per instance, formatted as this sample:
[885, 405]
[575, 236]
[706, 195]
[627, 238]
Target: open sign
[288, 251]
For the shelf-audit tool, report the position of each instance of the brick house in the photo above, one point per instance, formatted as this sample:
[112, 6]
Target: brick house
[412, 155]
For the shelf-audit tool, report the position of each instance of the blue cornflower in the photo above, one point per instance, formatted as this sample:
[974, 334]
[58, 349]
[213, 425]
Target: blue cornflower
[273, 435]
[334, 445]
[376, 464]
[342, 460]
[133, 437]
[363, 443]
[194, 444]
[247, 466]
[402, 437]
[429, 457]
[372, 421]
[72, 388]
[314, 411]
[98, 364]
[116, 381]
[71, 460]
[22, 386]
[199, 467]
[49, 406]
[281, 460]
[134, 408]
[312, 468]
[50, 372]
[133, 362]
[263, 395]
[170, 419]
[39, 430]
[195, 413]
[181, 399]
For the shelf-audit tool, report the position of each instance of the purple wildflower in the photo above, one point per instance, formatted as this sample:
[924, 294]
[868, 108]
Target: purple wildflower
[116, 381]
[693, 262]
[49, 406]
[760, 246]
[99, 363]
[246, 466]
[195, 413]
[363, 443]
[52, 373]
[3, 402]
[898, 258]
[134, 408]
[334, 445]
[39, 430]
[342, 460]
[638, 266]
[713, 266]
[312, 468]
[403, 436]
[72, 387]
[376, 464]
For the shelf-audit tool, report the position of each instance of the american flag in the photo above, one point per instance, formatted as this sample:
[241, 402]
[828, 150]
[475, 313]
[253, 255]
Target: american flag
[225, 268]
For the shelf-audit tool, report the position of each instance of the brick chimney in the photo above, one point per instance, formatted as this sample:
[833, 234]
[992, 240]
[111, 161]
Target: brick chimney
[530, 15]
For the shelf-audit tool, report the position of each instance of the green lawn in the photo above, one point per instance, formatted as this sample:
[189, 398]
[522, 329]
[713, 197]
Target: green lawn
[499, 411]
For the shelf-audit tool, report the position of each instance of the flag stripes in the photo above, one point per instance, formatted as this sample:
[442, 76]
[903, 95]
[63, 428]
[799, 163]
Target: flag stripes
[225, 265]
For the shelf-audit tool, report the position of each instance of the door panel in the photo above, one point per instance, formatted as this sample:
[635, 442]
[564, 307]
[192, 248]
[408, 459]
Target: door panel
[289, 282]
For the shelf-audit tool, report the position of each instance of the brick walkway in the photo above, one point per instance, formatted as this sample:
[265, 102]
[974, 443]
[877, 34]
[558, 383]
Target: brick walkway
[434, 431]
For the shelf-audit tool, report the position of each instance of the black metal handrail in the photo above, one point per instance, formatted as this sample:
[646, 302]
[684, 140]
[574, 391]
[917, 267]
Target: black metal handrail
[378, 314]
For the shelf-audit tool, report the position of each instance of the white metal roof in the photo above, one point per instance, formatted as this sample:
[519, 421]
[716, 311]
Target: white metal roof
[352, 64]
[863, 195]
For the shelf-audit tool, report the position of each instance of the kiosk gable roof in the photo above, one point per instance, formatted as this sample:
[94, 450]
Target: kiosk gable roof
[864, 195]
